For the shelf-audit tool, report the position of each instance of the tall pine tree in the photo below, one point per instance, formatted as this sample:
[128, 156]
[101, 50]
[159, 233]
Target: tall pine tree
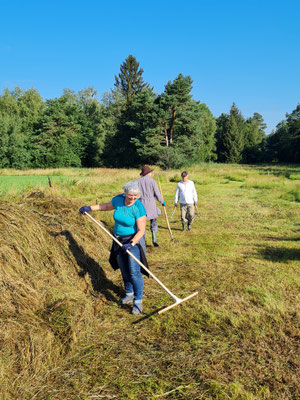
[230, 136]
[119, 151]
[172, 130]
[130, 81]
[254, 135]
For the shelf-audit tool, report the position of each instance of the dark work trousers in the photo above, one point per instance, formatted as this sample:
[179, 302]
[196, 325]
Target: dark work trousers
[153, 225]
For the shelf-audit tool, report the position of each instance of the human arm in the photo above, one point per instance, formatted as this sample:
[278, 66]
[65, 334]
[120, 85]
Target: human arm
[141, 227]
[176, 196]
[157, 193]
[97, 207]
[103, 207]
[195, 197]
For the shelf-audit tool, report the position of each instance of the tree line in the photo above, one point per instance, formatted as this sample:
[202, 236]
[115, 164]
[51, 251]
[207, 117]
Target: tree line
[132, 125]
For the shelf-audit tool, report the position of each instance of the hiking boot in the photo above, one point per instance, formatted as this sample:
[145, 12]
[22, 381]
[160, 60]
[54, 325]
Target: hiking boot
[137, 307]
[128, 299]
[189, 227]
[183, 227]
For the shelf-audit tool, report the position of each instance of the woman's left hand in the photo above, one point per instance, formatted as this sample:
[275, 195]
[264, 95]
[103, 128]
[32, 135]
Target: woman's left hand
[127, 246]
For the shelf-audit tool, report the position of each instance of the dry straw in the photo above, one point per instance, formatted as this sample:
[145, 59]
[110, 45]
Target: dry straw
[45, 307]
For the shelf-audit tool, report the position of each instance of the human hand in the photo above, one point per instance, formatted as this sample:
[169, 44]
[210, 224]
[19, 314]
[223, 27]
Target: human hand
[164, 204]
[175, 205]
[127, 246]
[85, 209]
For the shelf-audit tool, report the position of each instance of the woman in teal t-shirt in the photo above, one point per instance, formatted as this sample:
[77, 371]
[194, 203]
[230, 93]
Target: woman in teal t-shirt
[129, 229]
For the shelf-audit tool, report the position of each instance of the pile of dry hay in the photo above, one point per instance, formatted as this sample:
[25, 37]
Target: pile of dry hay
[51, 261]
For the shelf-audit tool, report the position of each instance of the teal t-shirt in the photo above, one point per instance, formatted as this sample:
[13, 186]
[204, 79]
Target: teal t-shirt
[125, 217]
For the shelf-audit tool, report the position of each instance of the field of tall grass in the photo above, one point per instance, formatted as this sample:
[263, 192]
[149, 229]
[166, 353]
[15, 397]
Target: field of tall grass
[62, 333]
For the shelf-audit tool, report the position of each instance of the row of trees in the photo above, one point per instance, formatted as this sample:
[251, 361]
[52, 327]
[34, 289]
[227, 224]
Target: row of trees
[240, 140]
[132, 125]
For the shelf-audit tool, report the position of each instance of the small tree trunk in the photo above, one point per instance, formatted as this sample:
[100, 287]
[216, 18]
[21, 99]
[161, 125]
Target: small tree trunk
[172, 125]
[166, 136]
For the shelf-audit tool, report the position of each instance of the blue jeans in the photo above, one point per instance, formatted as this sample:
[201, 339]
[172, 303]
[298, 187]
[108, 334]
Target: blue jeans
[131, 271]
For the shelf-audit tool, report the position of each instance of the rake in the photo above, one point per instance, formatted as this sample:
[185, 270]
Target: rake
[177, 299]
[173, 213]
[166, 215]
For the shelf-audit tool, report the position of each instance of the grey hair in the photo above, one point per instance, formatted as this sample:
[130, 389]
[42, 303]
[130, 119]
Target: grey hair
[132, 187]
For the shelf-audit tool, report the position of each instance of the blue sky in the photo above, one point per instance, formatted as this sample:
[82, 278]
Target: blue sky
[244, 51]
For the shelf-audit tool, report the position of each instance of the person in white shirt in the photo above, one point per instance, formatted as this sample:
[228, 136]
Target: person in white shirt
[187, 196]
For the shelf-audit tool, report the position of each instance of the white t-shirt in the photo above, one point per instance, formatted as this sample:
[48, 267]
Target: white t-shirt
[186, 192]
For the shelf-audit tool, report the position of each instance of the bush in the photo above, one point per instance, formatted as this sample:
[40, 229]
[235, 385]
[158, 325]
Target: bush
[176, 178]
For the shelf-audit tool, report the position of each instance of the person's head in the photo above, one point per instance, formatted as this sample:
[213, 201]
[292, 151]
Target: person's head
[184, 176]
[131, 192]
[146, 170]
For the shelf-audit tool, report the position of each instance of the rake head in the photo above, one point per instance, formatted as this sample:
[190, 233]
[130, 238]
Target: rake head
[178, 301]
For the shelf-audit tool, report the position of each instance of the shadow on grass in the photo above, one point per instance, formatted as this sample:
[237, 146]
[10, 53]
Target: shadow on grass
[286, 170]
[147, 316]
[88, 265]
[172, 228]
[283, 239]
[280, 254]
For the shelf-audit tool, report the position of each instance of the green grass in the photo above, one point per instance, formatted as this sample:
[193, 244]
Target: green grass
[17, 183]
[65, 337]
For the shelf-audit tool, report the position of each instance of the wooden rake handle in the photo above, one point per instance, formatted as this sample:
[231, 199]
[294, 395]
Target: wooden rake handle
[166, 215]
[177, 300]
[132, 255]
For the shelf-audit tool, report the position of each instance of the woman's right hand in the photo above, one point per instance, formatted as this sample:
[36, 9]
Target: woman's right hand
[85, 209]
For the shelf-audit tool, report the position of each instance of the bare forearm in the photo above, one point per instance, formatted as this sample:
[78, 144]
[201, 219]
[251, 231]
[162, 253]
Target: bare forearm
[141, 227]
[95, 207]
[102, 207]
[137, 237]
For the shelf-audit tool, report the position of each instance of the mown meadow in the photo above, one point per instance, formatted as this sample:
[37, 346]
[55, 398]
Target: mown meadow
[62, 333]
